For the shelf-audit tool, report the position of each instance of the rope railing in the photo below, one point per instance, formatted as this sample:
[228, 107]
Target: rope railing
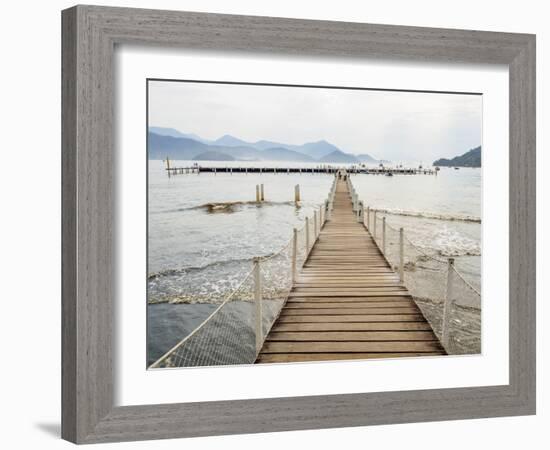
[466, 282]
[235, 331]
[442, 292]
[177, 358]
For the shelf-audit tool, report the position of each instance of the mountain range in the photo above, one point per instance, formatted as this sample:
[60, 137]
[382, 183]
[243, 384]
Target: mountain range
[471, 158]
[171, 143]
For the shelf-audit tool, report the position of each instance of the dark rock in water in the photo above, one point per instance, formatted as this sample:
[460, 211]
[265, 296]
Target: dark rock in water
[228, 207]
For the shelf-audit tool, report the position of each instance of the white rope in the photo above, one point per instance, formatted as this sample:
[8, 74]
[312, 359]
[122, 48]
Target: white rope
[419, 250]
[465, 343]
[281, 250]
[180, 343]
[174, 349]
[466, 282]
[390, 227]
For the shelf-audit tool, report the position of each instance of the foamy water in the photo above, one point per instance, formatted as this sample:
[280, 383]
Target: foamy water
[204, 230]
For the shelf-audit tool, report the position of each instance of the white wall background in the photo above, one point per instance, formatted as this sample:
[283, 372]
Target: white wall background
[31, 239]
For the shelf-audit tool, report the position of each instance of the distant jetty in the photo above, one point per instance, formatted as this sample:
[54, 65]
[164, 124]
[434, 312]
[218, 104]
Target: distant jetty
[319, 169]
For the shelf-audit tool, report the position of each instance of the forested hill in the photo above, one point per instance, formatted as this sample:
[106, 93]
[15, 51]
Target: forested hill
[471, 158]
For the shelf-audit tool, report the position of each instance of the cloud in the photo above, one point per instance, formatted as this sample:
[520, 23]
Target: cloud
[400, 126]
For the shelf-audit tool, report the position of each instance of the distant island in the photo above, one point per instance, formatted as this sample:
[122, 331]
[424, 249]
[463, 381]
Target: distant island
[213, 156]
[338, 156]
[171, 143]
[472, 158]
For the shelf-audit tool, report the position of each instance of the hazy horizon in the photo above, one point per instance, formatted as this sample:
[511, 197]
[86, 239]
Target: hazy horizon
[390, 125]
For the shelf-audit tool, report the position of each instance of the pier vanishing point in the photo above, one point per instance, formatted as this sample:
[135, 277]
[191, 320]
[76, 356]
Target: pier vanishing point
[347, 302]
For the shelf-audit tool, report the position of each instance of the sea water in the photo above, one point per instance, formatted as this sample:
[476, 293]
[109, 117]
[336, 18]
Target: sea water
[205, 229]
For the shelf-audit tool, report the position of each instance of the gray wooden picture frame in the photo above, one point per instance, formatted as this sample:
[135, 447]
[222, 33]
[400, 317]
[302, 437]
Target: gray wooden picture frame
[90, 34]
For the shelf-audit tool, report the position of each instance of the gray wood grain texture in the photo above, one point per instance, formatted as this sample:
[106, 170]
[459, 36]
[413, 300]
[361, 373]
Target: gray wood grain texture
[88, 199]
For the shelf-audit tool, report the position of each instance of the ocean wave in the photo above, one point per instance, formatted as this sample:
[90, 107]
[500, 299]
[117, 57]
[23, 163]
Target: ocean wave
[186, 299]
[193, 299]
[230, 207]
[429, 215]
[188, 269]
[449, 243]
[212, 283]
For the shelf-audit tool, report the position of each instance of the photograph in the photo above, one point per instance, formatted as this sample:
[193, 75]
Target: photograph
[290, 224]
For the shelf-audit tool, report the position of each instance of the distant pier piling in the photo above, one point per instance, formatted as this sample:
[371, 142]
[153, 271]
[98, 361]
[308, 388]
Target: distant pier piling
[297, 193]
[313, 170]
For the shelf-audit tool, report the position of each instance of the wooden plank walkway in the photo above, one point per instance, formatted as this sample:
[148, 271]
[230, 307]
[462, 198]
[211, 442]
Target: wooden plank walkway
[347, 302]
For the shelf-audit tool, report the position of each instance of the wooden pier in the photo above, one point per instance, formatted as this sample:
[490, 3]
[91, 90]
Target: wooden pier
[347, 302]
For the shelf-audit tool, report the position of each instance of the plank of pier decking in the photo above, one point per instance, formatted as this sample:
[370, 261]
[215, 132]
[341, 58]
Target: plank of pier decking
[308, 357]
[347, 311]
[342, 299]
[347, 290]
[351, 347]
[353, 318]
[347, 302]
[344, 304]
[332, 336]
[377, 293]
[352, 326]
[355, 282]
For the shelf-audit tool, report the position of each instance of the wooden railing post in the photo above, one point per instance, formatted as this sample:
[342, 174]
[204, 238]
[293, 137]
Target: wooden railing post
[297, 193]
[307, 236]
[384, 235]
[294, 254]
[447, 305]
[368, 218]
[257, 193]
[374, 225]
[262, 192]
[401, 256]
[321, 218]
[314, 225]
[258, 303]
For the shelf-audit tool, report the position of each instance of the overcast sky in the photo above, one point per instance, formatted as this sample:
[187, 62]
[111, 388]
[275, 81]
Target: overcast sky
[398, 126]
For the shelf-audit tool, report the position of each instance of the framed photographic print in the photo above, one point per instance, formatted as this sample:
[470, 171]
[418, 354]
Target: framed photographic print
[305, 210]
[337, 283]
